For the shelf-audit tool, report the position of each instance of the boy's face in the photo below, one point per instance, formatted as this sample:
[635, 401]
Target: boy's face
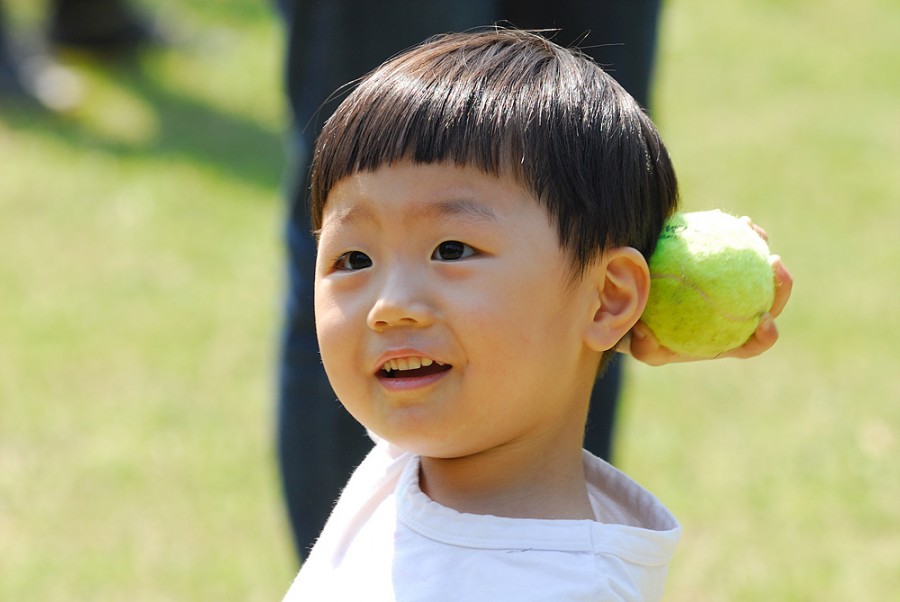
[445, 311]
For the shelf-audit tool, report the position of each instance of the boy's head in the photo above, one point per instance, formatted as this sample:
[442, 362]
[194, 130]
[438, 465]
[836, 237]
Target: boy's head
[479, 200]
[513, 104]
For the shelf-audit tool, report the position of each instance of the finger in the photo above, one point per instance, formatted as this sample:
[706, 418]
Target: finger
[645, 347]
[763, 339]
[758, 229]
[784, 284]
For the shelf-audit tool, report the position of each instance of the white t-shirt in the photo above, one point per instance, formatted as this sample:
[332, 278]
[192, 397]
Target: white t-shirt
[386, 540]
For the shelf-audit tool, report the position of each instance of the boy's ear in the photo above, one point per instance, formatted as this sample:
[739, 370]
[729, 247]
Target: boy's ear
[621, 285]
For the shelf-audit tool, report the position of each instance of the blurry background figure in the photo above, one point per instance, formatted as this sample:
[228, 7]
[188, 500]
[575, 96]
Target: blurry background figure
[104, 28]
[331, 43]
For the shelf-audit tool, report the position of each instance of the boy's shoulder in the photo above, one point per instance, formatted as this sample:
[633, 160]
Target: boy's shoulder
[386, 536]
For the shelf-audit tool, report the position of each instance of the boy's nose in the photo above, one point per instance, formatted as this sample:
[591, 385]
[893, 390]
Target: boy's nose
[401, 302]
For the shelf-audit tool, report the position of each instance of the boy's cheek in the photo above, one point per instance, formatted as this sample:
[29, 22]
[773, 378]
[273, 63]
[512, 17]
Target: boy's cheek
[330, 327]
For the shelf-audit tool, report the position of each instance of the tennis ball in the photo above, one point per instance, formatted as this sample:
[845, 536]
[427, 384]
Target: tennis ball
[711, 281]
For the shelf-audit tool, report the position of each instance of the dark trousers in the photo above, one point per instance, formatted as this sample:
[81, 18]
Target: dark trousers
[330, 43]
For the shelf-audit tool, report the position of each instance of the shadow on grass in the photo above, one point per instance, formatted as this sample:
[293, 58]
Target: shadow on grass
[185, 129]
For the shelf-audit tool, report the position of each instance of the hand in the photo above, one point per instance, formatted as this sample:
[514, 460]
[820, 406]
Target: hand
[642, 345]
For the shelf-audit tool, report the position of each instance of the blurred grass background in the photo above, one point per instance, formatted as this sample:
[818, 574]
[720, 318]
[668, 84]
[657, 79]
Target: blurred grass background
[140, 277]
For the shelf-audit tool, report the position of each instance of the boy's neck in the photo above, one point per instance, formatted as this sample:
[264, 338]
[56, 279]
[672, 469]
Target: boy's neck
[514, 481]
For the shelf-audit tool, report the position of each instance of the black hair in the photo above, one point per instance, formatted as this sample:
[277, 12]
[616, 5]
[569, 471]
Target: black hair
[514, 103]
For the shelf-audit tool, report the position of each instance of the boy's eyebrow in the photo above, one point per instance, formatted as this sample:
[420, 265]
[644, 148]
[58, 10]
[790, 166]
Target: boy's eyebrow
[458, 207]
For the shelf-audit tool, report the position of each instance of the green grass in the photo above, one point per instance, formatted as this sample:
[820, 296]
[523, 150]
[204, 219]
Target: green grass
[140, 279]
[140, 275]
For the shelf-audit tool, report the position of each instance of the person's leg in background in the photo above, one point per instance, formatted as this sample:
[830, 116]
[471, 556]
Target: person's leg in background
[620, 35]
[330, 43]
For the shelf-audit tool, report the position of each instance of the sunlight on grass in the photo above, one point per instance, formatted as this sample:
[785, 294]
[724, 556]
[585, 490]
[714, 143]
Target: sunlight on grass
[114, 113]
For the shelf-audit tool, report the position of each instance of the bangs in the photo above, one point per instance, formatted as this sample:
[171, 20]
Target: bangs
[450, 103]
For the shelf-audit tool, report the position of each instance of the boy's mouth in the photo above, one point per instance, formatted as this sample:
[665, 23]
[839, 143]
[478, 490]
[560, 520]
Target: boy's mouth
[411, 367]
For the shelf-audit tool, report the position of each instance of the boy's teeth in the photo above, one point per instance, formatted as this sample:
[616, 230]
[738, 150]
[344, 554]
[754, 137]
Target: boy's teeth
[406, 363]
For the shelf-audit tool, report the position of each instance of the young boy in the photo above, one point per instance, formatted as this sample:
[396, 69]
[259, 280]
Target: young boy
[485, 205]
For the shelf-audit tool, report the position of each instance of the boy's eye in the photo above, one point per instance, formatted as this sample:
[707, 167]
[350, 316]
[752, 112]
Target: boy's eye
[353, 260]
[451, 250]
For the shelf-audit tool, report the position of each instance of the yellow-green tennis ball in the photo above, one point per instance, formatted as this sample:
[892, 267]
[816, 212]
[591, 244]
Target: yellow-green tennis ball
[711, 281]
